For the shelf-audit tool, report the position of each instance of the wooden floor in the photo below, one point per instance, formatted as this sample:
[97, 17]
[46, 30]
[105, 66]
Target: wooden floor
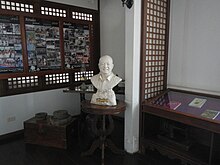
[16, 152]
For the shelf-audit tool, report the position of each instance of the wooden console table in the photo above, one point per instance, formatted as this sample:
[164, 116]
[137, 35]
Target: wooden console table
[103, 131]
[187, 118]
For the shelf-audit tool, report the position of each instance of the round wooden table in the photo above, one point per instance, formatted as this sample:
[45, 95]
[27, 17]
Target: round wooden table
[103, 131]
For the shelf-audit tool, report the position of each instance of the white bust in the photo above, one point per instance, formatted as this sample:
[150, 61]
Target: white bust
[104, 82]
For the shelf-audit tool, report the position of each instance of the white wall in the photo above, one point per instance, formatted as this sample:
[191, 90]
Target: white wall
[112, 32]
[194, 59]
[91, 4]
[25, 106]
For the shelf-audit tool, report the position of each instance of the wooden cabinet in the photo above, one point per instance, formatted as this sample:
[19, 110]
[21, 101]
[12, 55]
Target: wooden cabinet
[42, 132]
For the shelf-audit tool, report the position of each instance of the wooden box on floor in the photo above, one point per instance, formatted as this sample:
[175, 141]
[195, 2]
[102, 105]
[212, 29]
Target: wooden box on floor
[42, 132]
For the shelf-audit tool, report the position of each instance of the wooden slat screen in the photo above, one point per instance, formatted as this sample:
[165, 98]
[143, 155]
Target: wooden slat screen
[154, 47]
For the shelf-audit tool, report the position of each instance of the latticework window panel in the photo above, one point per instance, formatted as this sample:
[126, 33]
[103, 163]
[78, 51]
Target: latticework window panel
[154, 47]
[16, 6]
[23, 82]
[53, 12]
[82, 16]
[57, 78]
[83, 75]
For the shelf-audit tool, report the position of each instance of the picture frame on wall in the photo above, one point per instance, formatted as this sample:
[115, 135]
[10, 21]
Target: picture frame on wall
[11, 59]
[76, 45]
[43, 44]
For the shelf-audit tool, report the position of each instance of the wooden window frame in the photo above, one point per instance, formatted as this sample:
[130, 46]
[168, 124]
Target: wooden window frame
[90, 18]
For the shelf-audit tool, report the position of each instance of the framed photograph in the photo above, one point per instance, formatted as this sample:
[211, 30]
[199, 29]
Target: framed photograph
[11, 59]
[43, 44]
[76, 45]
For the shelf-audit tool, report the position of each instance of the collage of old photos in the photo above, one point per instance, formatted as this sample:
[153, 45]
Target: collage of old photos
[76, 45]
[43, 44]
[10, 45]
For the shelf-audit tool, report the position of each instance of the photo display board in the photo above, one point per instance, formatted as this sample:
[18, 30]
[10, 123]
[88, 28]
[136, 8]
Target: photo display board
[76, 45]
[10, 45]
[43, 44]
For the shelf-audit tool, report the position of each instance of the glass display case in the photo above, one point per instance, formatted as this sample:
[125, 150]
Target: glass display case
[183, 125]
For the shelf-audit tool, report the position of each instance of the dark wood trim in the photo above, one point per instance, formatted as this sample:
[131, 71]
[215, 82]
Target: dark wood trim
[143, 38]
[11, 136]
[167, 43]
[62, 46]
[24, 48]
[197, 93]
[141, 95]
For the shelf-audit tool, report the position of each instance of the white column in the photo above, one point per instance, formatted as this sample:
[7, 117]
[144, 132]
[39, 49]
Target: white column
[132, 75]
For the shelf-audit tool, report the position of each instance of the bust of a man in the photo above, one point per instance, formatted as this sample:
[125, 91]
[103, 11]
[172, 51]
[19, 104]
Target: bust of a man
[104, 82]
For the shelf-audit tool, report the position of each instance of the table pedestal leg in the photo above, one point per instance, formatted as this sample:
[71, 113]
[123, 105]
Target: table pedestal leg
[103, 141]
[97, 143]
